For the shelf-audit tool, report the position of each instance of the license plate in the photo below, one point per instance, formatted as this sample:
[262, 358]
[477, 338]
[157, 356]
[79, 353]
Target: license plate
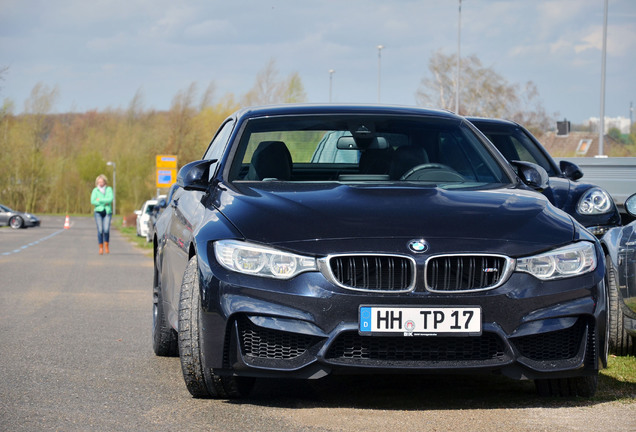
[420, 321]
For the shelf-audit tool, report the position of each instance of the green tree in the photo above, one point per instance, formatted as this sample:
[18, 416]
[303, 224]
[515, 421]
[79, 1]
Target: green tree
[616, 134]
[49, 162]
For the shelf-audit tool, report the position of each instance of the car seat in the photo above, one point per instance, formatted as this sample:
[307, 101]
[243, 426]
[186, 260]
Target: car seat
[270, 161]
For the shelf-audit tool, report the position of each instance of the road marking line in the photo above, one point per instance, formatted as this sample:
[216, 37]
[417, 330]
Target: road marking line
[32, 243]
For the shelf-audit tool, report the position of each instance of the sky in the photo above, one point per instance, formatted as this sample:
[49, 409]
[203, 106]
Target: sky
[100, 53]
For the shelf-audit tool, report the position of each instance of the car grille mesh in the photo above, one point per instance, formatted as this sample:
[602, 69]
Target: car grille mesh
[266, 343]
[558, 345]
[351, 346]
[464, 273]
[373, 272]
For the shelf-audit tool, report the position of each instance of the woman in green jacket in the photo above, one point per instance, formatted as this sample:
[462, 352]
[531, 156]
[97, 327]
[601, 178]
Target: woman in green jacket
[102, 199]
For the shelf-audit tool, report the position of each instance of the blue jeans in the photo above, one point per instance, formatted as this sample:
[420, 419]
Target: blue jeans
[102, 219]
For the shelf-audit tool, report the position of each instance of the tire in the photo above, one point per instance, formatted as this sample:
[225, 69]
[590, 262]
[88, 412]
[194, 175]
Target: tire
[584, 386]
[200, 381]
[164, 337]
[16, 222]
[620, 342]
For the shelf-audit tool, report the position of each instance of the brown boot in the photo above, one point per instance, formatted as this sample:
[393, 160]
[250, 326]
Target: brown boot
[101, 249]
[106, 247]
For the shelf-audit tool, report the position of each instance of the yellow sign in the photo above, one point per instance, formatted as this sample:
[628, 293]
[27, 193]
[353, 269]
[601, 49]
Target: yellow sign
[166, 170]
[166, 161]
[166, 177]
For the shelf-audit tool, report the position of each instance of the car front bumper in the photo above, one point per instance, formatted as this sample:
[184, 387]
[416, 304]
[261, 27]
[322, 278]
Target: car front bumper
[31, 223]
[308, 328]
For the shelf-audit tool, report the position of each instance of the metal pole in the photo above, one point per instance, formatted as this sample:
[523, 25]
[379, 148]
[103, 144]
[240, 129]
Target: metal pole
[114, 189]
[379, 68]
[331, 71]
[459, 38]
[110, 163]
[604, 55]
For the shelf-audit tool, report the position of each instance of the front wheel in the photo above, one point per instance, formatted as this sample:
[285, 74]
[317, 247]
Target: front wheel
[201, 381]
[164, 337]
[620, 342]
[16, 222]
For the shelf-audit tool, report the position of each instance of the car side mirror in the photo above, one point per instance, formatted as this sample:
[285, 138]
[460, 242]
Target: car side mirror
[138, 212]
[195, 175]
[532, 175]
[630, 205]
[570, 170]
[162, 203]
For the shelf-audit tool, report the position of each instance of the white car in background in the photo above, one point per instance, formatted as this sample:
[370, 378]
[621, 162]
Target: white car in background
[143, 216]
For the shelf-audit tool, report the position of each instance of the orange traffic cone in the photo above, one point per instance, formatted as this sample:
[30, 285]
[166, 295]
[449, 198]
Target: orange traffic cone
[67, 223]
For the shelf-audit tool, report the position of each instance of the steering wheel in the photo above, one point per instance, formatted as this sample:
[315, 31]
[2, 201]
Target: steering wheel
[433, 172]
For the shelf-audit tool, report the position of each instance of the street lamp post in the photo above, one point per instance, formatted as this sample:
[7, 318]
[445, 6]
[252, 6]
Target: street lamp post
[459, 34]
[109, 163]
[380, 47]
[601, 134]
[331, 71]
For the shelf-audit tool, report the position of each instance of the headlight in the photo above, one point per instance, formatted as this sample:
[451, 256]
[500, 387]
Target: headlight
[594, 201]
[258, 260]
[572, 260]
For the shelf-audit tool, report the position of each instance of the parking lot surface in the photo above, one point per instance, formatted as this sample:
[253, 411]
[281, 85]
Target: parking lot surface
[76, 354]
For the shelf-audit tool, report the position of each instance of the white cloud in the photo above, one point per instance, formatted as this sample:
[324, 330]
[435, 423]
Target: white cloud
[162, 44]
[211, 31]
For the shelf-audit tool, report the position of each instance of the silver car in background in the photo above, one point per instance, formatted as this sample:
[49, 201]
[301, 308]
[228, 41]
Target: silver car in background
[17, 219]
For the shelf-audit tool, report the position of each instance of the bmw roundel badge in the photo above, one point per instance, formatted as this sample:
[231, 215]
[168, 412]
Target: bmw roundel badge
[418, 246]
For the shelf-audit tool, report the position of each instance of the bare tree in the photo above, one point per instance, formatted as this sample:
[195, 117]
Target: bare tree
[531, 112]
[3, 70]
[33, 173]
[268, 89]
[483, 92]
[136, 105]
[208, 97]
[293, 90]
[180, 120]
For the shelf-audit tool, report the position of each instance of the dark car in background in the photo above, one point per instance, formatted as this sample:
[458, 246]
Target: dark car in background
[421, 252]
[591, 205]
[620, 246]
[17, 219]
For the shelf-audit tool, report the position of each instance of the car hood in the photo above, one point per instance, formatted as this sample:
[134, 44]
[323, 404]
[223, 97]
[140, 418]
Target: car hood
[314, 217]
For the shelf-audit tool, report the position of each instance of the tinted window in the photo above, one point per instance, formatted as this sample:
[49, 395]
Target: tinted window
[514, 144]
[217, 146]
[364, 148]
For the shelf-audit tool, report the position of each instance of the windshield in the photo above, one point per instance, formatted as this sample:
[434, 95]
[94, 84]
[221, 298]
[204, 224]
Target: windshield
[437, 151]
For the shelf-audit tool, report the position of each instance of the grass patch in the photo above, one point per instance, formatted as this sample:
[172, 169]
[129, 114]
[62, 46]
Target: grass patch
[131, 234]
[618, 381]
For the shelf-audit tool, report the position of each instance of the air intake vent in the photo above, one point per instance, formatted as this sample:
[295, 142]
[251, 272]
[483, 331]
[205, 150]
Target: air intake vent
[447, 273]
[350, 346]
[389, 273]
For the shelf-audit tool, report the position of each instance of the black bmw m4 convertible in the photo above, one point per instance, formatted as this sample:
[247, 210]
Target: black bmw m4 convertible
[364, 239]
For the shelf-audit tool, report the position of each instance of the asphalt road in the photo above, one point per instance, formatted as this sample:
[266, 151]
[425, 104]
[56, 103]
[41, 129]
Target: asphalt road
[75, 355]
